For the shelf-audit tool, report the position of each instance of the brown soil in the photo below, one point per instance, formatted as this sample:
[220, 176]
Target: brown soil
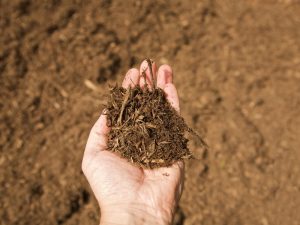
[236, 68]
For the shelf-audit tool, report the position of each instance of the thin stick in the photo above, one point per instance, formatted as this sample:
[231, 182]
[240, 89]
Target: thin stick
[132, 82]
[202, 142]
[119, 121]
[144, 76]
[151, 72]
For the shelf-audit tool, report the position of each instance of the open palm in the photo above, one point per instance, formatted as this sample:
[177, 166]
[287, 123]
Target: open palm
[122, 189]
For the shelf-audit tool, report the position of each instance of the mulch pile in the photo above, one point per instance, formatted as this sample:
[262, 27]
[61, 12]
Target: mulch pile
[145, 128]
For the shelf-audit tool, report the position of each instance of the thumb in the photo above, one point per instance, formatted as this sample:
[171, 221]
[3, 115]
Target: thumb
[97, 140]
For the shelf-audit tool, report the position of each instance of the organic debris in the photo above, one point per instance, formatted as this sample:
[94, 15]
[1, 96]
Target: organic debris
[145, 128]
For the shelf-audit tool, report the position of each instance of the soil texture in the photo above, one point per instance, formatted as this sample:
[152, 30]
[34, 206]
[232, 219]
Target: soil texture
[237, 71]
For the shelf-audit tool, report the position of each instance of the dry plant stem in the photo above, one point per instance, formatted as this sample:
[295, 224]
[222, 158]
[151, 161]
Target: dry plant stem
[144, 76]
[119, 122]
[199, 138]
[151, 72]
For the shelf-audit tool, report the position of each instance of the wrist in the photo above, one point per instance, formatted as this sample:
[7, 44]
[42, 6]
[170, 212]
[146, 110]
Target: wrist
[135, 215]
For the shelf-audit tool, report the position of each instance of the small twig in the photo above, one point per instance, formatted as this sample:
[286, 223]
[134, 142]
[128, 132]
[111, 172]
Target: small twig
[144, 76]
[132, 82]
[119, 121]
[202, 142]
[151, 73]
[89, 84]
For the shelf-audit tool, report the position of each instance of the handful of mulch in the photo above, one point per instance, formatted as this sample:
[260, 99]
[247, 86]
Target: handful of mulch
[145, 128]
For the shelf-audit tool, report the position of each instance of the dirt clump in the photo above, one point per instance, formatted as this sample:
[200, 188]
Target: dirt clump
[145, 128]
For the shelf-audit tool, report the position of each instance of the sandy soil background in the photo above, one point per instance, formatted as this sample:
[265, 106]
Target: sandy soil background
[237, 69]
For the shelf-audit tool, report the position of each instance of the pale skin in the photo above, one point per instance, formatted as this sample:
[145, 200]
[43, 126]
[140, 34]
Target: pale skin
[128, 194]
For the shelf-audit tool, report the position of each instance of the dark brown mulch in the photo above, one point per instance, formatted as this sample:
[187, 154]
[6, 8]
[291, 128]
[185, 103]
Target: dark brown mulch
[145, 128]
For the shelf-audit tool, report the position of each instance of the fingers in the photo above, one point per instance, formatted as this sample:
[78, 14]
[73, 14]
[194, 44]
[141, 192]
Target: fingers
[164, 76]
[164, 81]
[145, 73]
[97, 140]
[131, 79]
[172, 96]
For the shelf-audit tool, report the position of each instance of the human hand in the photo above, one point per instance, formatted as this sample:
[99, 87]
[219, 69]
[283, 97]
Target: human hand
[126, 193]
